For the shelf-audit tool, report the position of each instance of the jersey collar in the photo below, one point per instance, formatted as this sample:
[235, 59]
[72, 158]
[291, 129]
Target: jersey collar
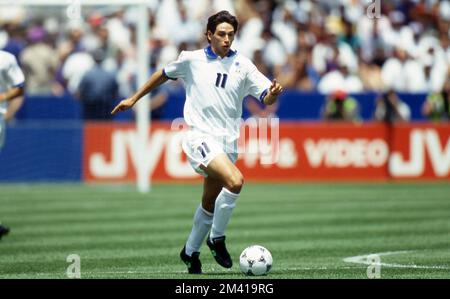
[211, 55]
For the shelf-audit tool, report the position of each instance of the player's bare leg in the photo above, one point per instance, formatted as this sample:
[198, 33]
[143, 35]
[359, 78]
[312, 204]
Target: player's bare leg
[226, 174]
[211, 189]
[223, 170]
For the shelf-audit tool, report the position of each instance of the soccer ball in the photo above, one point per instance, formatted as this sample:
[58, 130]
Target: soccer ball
[255, 260]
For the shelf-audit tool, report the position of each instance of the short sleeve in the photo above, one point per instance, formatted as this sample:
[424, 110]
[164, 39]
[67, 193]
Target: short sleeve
[257, 84]
[177, 69]
[15, 74]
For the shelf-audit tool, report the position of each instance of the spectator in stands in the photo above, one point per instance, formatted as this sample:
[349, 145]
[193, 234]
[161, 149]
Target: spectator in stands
[96, 34]
[370, 34]
[75, 41]
[390, 108]
[251, 28]
[349, 36]
[284, 25]
[437, 105]
[435, 69]
[74, 68]
[339, 106]
[398, 33]
[39, 61]
[12, 39]
[274, 54]
[401, 73]
[296, 74]
[258, 60]
[98, 90]
[184, 28]
[119, 34]
[370, 72]
[340, 78]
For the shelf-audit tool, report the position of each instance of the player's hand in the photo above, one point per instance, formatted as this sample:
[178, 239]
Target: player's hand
[276, 88]
[123, 105]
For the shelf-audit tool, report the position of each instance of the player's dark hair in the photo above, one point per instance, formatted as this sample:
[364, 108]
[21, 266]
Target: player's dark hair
[221, 17]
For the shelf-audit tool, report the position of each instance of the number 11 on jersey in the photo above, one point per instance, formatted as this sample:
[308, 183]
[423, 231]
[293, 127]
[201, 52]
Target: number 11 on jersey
[221, 80]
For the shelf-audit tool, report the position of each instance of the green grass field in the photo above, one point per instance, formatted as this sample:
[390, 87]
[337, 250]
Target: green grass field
[309, 228]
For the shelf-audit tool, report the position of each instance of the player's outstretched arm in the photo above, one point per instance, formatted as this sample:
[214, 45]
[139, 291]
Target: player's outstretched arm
[11, 94]
[13, 107]
[155, 80]
[272, 95]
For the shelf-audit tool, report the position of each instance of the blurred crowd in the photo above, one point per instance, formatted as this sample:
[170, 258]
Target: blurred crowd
[342, 46]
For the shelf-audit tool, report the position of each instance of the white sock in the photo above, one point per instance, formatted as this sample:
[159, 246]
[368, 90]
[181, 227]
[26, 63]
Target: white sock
[225, 203]
[202, 224]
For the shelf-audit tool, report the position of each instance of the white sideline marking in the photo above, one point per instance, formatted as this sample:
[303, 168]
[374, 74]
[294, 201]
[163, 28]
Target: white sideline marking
[363, 259]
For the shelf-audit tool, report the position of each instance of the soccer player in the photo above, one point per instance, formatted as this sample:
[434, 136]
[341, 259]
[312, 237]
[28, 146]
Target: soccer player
[12, 83]
[217, 79]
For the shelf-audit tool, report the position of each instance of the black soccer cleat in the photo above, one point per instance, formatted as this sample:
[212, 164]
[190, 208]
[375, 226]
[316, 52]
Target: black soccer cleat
[220, 252]
[3, 230]
[192, 262]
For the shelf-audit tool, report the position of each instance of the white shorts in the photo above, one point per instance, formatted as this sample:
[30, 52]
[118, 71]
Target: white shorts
[201, 149]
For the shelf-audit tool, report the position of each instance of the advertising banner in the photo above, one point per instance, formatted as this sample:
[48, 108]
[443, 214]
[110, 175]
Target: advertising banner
[278, 152]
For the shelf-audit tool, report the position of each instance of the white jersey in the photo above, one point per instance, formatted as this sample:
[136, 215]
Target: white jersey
[215, 89]
[10, 76]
